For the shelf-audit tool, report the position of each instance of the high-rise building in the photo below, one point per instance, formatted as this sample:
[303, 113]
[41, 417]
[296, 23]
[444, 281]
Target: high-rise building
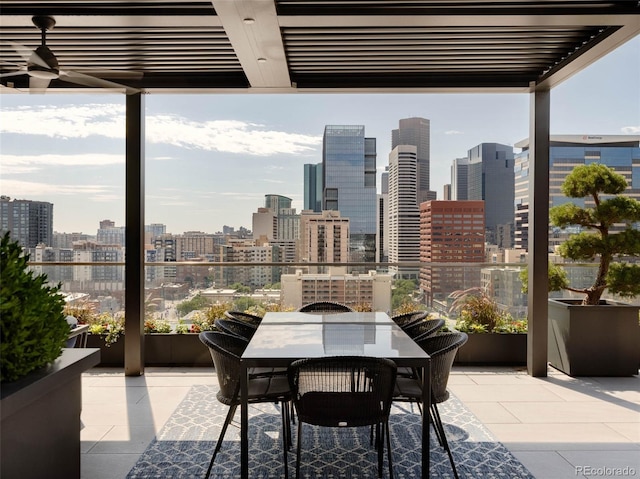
[30, 222]
[324, 237]
[450, 232]
[110, 234]
[382, 213]
[349, 179]
[313, 187]
[404, 211]
[446, 192]
[287, 221]
[459, 179]
[620, 152]
[417, 131]
[491, 178]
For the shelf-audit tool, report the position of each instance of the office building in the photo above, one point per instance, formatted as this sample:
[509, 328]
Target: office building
[450, 232]
[349, 179]
[369, 290]
[313, 187]
[620, 152]
[491, 179]
[110, 234]
[382, 215]
[324, 237]
[29, 222]
[404, 212]
[459, 179]
[416, 131]
[446, 192]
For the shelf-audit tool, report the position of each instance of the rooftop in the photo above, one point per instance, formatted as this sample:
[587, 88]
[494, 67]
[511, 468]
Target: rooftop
[554, 425]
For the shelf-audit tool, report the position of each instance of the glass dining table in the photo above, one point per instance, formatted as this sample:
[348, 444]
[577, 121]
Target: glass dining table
[284, 337]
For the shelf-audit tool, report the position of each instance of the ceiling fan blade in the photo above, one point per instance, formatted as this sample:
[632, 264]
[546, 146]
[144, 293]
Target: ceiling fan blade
[38, 85]
[12, 74]
[87, 80]
[28, 55]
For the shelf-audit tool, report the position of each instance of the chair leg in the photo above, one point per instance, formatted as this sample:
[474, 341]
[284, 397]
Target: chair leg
[298, 448]
[285, 436]
[389, 449]
[380, 448]
[437, 422]
[227, 421]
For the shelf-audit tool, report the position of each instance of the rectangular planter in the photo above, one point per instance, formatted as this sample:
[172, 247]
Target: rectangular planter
[600, 340]
[159, 350]
[40, 426]
[493, 349]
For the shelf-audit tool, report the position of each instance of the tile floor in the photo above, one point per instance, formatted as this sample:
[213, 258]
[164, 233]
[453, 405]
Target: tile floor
[559, 427]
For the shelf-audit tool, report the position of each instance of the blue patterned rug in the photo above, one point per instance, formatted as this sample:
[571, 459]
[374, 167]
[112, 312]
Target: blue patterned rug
[183, 448]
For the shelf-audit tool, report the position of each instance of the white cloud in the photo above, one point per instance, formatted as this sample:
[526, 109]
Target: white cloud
[108, 120]
[453, 132]
[631, 130]
[15, 164]
[25, 189]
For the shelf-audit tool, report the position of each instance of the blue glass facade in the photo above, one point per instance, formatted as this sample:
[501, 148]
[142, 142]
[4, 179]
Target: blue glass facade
[349, 181]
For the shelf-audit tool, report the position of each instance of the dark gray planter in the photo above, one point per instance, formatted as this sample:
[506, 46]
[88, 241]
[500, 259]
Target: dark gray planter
[40, 426]
[159, 350]
[493, 349]
[600, 340]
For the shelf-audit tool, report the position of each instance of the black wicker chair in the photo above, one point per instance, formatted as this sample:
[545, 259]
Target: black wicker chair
[245, 317]
[407, 319]
[237, 328]
[442, 348]
[226, 350]
[344, 391]
[325, 307]
[424, 328]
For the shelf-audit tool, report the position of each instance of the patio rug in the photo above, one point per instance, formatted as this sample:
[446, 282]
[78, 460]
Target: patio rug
[183, 448]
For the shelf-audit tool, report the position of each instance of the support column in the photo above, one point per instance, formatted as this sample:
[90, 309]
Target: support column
[134, 239]
[538, 257]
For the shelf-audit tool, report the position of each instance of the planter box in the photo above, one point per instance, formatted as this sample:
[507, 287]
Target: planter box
[600, 340]
[159, 350]
[40, 426]
[493, 349]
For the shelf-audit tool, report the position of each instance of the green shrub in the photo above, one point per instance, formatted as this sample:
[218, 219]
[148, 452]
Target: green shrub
[33, 328]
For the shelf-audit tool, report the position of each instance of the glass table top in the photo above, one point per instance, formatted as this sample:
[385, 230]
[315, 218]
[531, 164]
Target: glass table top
[286, 342]
[287, 317]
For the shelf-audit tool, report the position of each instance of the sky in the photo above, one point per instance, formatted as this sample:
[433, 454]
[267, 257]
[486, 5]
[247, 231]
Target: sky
[210, 159]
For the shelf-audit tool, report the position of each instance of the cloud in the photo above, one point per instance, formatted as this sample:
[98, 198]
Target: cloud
[631, 130]
[25, 189]
[15, 164]
[108, 120]
[453, 132]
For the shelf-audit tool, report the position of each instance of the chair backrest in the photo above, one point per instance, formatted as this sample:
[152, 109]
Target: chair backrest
[325, 307]
[235, 327]
[406, 319]
[245, 317]
[442, 348]
[342, 390]
[424, 329]
[226, 351]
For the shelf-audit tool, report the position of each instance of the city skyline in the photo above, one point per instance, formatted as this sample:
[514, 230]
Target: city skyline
[211, 159]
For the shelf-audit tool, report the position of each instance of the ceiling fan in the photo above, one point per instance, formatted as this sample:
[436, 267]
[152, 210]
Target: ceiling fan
[42, 66]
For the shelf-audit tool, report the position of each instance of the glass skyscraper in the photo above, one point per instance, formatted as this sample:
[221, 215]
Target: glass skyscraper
[620, 152]
[313, 187]
[349, 181]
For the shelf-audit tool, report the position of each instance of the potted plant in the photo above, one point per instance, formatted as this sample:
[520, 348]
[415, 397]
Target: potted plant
[494, 336]
[41, 380]
[595, 336]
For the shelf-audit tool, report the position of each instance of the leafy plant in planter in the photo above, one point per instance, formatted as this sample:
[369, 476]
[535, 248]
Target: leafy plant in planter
[33, 328]
[478, 313]
[596, 182]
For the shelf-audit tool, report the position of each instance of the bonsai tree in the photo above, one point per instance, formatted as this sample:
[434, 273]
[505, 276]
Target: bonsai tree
[603, 186]
[33, 328]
